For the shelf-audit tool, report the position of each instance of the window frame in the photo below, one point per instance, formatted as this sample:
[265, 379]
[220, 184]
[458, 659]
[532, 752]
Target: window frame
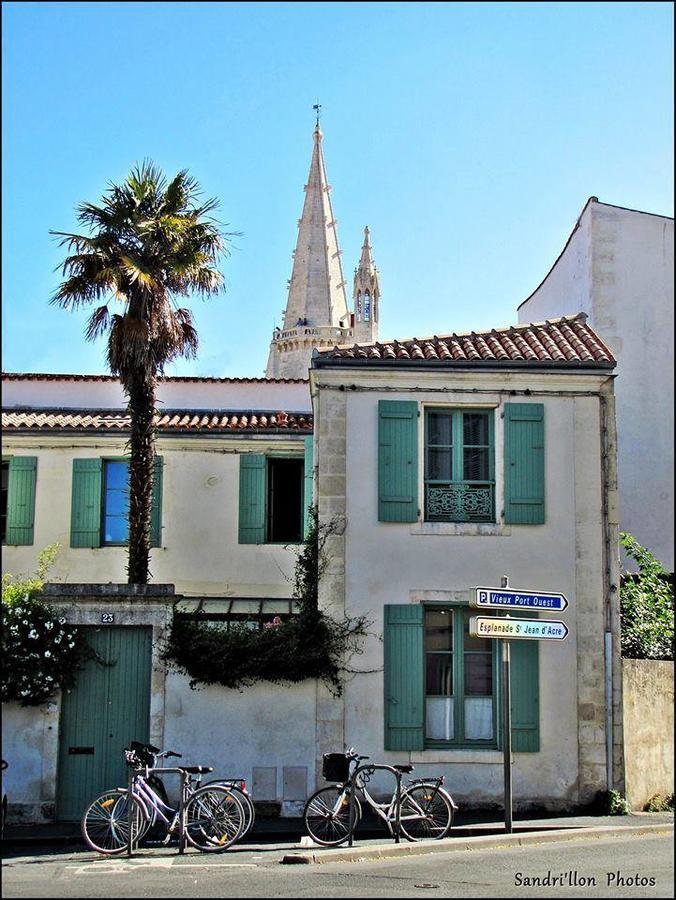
[457, 448]
[270, 457]
[6, 461]
[104, 489]
[461, 614]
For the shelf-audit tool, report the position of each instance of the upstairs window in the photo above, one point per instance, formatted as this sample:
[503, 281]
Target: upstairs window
[115, 502]
[459, 466]
[285, 501]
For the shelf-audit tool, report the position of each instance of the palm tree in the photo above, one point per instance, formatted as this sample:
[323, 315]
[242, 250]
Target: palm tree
[150, 242]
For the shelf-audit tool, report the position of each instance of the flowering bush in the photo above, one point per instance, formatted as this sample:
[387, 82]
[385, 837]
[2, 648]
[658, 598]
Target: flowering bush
[41, 653]
[646, 606]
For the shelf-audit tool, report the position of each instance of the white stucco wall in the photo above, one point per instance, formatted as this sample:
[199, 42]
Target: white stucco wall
[392, 563]
[618, 267]
[200, 553]
[175, 393]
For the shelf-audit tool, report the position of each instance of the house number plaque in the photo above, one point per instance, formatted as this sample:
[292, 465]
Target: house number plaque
[107, 618]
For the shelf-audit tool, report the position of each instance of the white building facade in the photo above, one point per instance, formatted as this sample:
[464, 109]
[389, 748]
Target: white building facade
[618, 268]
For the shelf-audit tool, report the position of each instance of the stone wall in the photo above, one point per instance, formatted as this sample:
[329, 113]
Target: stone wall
[648, 698]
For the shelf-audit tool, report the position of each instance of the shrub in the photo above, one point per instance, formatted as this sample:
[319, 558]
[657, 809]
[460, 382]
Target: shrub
[660, 803]
[41, 653]
[646, 606]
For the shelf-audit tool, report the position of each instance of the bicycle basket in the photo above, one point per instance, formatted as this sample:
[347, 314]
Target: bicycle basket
[335, 767]
[145, 753]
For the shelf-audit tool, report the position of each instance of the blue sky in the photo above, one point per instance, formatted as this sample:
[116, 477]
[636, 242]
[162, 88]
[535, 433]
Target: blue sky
[468, 136]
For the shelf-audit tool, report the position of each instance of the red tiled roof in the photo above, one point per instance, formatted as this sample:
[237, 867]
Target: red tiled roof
[45, 376]
[194, 421]
[568, 340]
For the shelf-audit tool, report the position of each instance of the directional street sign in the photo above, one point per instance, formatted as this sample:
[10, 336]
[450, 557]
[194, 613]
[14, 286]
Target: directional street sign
[517, 629]
[506, 598]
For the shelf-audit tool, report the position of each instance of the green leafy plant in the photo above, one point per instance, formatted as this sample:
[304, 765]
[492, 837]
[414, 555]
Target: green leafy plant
[646, 606]
[41, 653]
[309, 644]
[660, 803]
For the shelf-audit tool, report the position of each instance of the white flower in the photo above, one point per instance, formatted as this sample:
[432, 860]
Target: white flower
[24, 622]
[71, 645]
[49, 625]
[47, 654]
[62, 621]
[33, 635]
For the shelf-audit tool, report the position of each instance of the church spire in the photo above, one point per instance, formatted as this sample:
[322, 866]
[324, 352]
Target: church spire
[316, 309]
[366, 295]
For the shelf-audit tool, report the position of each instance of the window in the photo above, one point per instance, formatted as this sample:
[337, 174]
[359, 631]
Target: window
[367, 307]
[3, 499]
[275, 494]
[100, 503]
[459, 680]
[459, 466]
[284, 501]
[115, 502]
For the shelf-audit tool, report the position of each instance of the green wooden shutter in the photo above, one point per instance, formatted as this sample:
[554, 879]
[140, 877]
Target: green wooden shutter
[404, 677]
[156, 513]
[252, 484]
[525, 685]
[308, 484]
[85, 514]
[524, 463]
[397, 461]
[21, 500]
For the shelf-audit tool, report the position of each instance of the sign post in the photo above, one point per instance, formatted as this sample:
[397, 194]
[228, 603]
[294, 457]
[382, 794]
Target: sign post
[505, 629]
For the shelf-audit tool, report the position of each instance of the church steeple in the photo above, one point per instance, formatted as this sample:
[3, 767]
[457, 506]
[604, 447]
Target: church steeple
[366, 295]
[316, 309]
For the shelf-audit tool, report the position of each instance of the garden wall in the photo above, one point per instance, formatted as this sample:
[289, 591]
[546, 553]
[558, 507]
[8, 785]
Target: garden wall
[648, 700]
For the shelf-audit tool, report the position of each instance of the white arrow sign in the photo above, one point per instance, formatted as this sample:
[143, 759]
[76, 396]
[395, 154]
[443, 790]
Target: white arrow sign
[506, 598]
[517, 629]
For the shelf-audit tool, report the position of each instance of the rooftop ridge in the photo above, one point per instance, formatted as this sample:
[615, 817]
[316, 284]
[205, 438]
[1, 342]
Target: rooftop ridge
[77, 376]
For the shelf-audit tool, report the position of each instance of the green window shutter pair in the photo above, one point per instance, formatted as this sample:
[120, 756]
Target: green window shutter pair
[253, 491]
[524, 462]
[87, 503]
[21, 500]
[404, 683]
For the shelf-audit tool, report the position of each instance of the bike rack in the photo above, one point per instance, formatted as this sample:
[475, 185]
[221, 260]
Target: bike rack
[371, 767]
[146, 771]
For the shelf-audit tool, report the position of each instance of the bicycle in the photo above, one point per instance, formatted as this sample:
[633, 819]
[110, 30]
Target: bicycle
[427, 809]
[210, 818]
[149, 756]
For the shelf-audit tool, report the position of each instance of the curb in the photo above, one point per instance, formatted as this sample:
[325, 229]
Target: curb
[360, 854]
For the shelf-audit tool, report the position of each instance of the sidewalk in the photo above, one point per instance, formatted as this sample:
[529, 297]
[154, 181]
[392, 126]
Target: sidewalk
[288, 835]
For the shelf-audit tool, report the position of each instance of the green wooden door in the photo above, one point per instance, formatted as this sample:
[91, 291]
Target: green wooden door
[108, 707]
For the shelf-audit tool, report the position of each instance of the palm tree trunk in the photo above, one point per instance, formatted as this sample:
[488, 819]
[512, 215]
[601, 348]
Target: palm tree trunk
[141, 406]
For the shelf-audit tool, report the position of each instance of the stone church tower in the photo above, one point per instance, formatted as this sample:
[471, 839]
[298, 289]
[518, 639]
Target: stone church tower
[366, 294]
[317, 313]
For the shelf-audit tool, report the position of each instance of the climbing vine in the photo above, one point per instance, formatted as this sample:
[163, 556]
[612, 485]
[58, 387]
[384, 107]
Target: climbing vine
[646, 606]
[41, 653]
[310, 644]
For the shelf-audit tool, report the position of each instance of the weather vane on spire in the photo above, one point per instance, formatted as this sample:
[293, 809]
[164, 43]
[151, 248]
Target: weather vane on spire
[318, 110]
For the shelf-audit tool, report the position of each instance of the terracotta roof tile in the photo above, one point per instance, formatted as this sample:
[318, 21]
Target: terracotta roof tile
[54, 376]
[193, 421]
[568, 340]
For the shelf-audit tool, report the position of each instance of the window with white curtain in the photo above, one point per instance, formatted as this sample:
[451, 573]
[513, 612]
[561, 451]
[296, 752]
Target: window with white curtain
[459, 680]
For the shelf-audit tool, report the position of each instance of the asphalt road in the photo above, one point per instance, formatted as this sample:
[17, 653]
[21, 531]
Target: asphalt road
[586, 866]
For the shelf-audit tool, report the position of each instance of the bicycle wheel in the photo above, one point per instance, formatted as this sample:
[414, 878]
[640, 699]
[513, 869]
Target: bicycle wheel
[214, 819]
[244, 798]
[327, 816]
[425, 812]
[105, 823]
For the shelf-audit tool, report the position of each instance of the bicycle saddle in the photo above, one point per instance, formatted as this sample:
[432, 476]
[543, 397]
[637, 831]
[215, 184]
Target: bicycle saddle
[196, 770]
[404, 769]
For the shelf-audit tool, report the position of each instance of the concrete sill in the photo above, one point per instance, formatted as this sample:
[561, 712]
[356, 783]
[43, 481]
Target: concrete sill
[462, 529]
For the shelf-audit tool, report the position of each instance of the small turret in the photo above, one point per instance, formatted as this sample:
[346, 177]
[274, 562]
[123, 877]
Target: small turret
[366, 296]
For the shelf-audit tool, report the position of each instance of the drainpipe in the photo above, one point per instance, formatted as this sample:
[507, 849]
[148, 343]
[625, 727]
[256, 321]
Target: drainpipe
[611, 560]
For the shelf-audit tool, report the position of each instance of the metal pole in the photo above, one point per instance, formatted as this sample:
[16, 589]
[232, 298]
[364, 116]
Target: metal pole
[397, 818]
[507, 725]
[507, 735]
[353, 789]
[181, 814]
[130, 804]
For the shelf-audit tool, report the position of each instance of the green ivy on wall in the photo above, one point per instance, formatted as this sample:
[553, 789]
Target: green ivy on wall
[310, 644]
[646, 606]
